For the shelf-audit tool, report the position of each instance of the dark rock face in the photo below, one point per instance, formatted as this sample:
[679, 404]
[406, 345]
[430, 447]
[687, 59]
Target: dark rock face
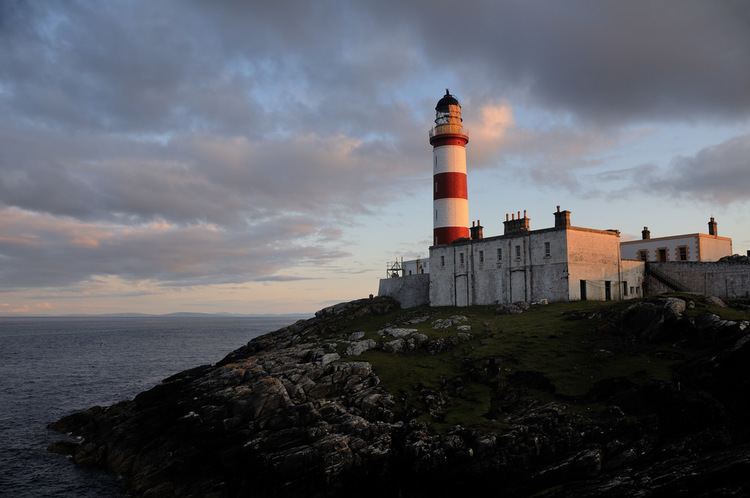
[286, 416]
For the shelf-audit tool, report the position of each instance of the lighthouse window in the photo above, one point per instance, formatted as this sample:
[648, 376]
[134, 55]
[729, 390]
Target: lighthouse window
[436, 214]
[518, 252]
[442, 260]
[436, 187]
[499, 254]
[461, 258]
[546, 250]
[481, 257]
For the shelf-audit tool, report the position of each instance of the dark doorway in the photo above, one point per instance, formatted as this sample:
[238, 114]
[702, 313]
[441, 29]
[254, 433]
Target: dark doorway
[607, 290]
[583, 290]
[662, 255]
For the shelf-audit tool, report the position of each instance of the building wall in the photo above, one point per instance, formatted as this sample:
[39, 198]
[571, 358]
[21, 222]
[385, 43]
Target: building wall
[725, 280]
[633, 275]
[468, 273]
[410, 291]
[416, 266]
[523, 274]
[631, 248]
[594, 256]
[700, 247]
[714, 248]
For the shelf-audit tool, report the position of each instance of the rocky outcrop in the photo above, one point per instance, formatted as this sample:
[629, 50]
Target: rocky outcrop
[294, 413]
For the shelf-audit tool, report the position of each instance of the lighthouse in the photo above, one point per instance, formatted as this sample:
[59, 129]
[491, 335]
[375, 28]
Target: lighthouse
[450, 200]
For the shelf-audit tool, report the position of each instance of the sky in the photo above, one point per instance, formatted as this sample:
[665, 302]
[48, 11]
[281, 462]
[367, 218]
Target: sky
[270, 157]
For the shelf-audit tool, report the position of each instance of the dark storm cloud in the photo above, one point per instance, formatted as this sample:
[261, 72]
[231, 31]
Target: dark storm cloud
[608, 61]
[227, 120]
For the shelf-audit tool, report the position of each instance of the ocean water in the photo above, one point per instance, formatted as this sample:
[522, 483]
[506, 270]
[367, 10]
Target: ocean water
[50, 367]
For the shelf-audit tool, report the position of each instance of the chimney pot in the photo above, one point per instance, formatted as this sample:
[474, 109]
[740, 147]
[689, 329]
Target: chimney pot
[558, 208]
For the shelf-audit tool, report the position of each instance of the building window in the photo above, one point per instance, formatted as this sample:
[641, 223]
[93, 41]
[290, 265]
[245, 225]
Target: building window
[632, 289]
[643, 254]
[461, 258]
[546, 250]
[436, 215]
[442, 261]
[499, 253]
[682, 253]
[518, 252]
[409, 272]
[481, 257]
[661, 254]
[625, 288]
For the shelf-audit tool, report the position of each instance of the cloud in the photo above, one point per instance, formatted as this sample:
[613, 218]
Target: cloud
[48, 251]
[718, 174]
[608, 62]
[26, 308]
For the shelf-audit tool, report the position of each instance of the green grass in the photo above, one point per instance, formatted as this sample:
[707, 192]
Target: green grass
[572, 354]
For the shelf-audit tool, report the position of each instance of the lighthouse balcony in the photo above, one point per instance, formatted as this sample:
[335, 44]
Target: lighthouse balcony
[449, 129]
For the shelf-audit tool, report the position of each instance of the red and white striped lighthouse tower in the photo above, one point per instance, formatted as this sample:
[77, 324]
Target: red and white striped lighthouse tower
[451, 204]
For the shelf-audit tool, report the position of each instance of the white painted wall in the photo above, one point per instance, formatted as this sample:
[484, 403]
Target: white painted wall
[529, 273]
[700, 247]
[451, 212]
[449, 159]
[713, 248]
[631, 248]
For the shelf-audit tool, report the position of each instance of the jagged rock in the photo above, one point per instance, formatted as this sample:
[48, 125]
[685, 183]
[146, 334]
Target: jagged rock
[359, 347]
[715, 301]
[398, 332]
[356, 336]
[508, 309]
[284, 416]
[674, 307]
[394, 346]
[418, 319]
[464, 328]
[415, 341]
[446, 323]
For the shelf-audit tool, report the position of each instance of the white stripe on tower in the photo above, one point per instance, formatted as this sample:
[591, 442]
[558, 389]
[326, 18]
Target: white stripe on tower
[450, 199]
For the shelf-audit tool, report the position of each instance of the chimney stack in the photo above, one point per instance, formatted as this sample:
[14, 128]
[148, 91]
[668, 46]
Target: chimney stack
[562, 218]
[477, 230]
[713, 227]
[645, 233]
[517, 225]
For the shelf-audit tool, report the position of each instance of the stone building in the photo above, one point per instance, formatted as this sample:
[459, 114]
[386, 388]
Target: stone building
[688, 247]
[560, 263]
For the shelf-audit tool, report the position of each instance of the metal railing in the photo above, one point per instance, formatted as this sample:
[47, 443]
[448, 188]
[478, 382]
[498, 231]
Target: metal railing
[449, 129]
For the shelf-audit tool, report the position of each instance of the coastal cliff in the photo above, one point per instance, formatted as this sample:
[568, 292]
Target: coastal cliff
[644, 398]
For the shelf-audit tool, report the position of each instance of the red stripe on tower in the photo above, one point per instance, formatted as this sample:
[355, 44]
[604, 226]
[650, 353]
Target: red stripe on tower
[450, 185]
[450, 197]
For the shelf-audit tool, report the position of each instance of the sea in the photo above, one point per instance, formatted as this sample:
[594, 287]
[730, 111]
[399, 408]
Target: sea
[51, 366]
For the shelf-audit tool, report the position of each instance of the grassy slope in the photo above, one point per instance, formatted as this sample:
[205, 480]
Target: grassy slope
[572, 354]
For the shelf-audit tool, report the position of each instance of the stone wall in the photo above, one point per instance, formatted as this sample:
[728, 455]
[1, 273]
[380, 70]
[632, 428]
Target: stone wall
[410, 290]
[725, 280]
